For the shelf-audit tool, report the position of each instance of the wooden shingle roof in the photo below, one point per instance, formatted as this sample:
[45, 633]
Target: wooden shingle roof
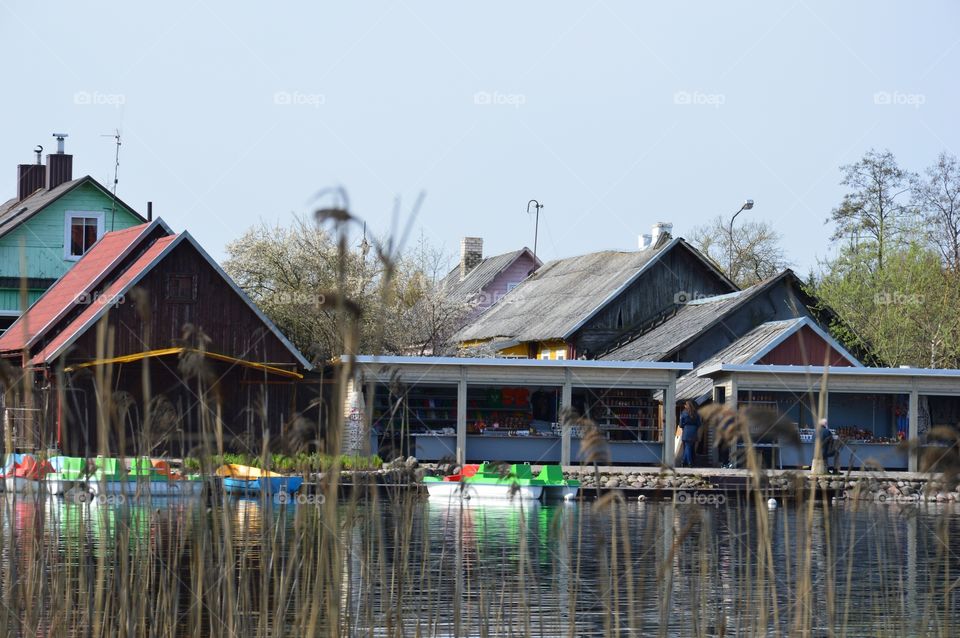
[564, 294]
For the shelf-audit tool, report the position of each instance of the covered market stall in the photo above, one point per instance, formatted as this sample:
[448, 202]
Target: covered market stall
[871, 410]
[476, 409]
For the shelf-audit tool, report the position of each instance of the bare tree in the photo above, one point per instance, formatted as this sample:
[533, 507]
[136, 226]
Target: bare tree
[873, 211]
[937, 197]
[752, 254]
[292, 271]
[436, 316]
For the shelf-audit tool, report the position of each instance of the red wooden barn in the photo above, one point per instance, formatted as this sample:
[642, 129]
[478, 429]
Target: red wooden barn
[148, 341]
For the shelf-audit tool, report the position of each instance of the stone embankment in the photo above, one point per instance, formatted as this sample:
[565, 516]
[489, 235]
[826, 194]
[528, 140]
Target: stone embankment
[868, 486]
[864, 486]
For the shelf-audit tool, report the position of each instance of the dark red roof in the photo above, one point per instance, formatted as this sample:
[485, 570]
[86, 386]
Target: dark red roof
[113, 293]
[73, 288]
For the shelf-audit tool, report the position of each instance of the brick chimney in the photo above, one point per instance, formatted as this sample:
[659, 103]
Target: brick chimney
[59, 165]
[31, 177]
[471, 254]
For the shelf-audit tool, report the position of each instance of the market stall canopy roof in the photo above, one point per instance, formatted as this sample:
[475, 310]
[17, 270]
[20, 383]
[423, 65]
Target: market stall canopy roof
[749, 349]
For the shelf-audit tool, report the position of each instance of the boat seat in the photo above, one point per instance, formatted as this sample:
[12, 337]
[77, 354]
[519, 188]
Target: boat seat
[551, 474]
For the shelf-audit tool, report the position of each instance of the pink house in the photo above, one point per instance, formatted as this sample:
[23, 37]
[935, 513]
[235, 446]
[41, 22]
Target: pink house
[481, 282]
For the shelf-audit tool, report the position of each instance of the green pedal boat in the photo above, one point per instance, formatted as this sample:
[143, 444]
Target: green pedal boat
[494, 481]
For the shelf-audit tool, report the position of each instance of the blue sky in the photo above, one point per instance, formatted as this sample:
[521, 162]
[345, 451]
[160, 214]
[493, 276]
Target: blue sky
[615, 115]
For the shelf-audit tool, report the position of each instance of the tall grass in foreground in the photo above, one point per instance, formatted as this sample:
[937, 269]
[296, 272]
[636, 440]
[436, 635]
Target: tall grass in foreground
[382, 562]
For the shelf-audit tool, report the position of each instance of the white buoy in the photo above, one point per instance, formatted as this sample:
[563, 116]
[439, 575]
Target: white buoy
[568, 497]
[641, 498]
[772, 504]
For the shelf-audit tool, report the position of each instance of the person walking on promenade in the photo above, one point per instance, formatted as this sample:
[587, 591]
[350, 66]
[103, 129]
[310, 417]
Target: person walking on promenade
[690, 425]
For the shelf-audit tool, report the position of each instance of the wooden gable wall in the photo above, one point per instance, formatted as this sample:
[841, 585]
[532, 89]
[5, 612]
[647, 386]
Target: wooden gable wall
[232, 326]
[778, 302]
[804, 347]
[656, 291]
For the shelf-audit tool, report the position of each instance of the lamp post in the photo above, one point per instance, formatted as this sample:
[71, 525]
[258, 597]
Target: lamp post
[536, 227]
[747, 205]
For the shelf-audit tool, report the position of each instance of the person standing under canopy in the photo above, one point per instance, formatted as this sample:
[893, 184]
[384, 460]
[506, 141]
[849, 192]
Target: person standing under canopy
[690, 427]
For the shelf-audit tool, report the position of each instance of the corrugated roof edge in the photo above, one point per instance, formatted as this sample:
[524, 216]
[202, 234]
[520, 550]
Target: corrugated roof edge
[105, 307]
[834, 371]
[185, 236]
[486, 361]
[145, 230]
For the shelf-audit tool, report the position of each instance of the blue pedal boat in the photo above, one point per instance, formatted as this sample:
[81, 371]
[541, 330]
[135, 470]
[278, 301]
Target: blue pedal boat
[244, 480]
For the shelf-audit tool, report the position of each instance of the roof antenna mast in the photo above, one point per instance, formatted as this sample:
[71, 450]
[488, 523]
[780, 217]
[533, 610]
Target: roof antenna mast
[116, 158]
[536, 228]
[116, 174]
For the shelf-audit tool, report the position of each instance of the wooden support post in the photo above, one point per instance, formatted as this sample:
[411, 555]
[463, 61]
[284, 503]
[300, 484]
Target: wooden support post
[566, 404]
[669, 421]
[462, 417]
[732, 394]
[367, 444]
[913, 429]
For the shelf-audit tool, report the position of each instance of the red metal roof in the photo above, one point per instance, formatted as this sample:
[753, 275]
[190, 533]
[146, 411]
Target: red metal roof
[110, 295]
[73, 288]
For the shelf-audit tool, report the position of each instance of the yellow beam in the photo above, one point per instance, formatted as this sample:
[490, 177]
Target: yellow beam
[149, 354]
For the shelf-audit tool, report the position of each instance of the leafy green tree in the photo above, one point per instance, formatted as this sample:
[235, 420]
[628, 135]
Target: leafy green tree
[904, 312]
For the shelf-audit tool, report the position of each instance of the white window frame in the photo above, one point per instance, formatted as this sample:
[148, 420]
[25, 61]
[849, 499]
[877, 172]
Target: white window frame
[68, 218]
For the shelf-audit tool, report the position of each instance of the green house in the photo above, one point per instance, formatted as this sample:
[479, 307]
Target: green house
[50, 223]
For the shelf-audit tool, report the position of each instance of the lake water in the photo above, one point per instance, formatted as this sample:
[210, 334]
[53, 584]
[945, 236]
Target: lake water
[408, 566]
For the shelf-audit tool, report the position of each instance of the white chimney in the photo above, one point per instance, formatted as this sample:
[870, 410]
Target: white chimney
[660, 233]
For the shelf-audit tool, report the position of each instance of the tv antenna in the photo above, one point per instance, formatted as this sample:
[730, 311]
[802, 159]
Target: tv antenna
[116, 174]
[116, 158]
[536, 227]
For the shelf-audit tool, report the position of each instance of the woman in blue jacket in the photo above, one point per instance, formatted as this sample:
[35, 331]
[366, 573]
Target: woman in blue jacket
[690, 426]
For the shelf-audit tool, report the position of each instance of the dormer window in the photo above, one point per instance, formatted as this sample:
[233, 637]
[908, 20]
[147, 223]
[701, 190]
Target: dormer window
[82, 229]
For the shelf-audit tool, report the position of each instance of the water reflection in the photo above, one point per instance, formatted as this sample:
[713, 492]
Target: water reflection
[487, 568]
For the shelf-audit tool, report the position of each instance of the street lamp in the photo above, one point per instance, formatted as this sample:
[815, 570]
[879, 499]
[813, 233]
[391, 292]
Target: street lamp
[747, 205]
[536, 227]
